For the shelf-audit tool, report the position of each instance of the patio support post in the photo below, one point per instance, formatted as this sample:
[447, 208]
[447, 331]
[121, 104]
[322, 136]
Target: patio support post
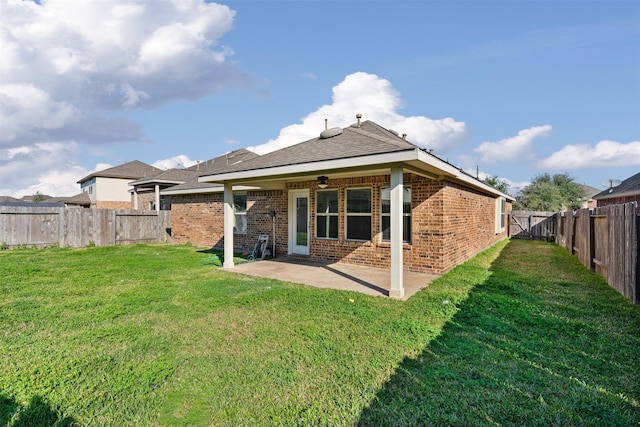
[157, 198]
[397, 287]
[135, 198]
[229, 220]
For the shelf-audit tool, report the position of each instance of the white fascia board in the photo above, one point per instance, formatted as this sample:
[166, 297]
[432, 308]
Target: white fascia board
[460, 175]
[443, 169]
[306, 168]
[203, 190]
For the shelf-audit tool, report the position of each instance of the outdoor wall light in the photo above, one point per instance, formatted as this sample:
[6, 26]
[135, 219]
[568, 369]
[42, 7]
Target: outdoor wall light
[323, 182]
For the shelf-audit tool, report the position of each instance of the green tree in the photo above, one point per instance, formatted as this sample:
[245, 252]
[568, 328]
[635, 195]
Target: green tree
[497, 183]
[37, 197]
[551, 193]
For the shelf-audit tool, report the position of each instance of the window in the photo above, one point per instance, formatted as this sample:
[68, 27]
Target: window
[327, 214]
[359, 214]
[385, 217]
[501, 214]
[240, 213]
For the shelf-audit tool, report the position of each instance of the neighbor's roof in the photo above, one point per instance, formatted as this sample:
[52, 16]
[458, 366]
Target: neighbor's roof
[628, 187]
[131, 170]
[81, 199]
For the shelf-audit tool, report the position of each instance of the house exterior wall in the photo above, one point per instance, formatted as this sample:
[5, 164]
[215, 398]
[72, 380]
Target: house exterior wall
[619, 201]
[450, 223]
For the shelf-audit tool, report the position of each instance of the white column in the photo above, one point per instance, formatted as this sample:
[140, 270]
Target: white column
[135, 198]
[397, 287]
[157, 198]
[229, 220]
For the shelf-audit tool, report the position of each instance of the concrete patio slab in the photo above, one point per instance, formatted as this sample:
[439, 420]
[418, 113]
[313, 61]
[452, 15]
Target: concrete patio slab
[367, 280]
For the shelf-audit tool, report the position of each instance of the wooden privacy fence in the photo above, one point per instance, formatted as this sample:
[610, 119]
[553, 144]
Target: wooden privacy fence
[537, 225]
[79, 227]
[606, 240]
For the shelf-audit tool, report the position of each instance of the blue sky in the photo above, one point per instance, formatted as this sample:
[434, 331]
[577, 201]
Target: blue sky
[514, 89]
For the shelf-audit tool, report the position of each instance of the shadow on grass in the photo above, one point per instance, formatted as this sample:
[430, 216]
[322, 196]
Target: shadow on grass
[37, 412]
[523, 351]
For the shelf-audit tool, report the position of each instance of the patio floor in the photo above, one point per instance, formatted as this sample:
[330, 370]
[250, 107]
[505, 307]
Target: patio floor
[367, 280]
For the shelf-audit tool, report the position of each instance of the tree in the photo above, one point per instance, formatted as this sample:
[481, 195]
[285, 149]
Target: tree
[497, 183]
[551, 193]
[37, 197]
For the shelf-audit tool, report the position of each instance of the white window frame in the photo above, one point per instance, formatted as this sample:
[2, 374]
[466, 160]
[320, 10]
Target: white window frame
[238, 213]
[347, 215]
[388, 215]
[501, 213]
[327, 215]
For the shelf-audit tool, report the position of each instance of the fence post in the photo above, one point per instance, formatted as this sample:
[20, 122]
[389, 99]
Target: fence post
[592, 242]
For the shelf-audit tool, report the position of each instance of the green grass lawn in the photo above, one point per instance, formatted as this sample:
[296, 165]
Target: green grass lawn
[158, 335]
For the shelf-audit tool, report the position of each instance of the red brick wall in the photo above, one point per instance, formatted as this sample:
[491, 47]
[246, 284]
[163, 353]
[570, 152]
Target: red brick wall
[112, 205]
[619, 201]
[450, 223]
[197, 219]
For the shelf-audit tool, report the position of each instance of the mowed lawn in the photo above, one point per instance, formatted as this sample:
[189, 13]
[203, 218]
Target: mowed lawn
[142, 335]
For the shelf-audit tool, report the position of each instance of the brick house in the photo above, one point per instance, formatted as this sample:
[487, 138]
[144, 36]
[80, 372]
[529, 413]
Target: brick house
[360, 195]
[627, 191]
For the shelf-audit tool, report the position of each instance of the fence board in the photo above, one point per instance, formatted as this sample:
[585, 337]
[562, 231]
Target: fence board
[79, 227]
[533, 225]
[606, 241]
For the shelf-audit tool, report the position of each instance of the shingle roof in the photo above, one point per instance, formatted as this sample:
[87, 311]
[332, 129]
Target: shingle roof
[213, 166]
[629, 185]
[130, 170]
[169, 176]
[221, 162]
[369, 139]
[81, 199]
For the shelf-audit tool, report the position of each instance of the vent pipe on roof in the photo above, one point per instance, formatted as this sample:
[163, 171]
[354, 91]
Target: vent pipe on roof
[358, 116]
[404, 136]
[326, 124]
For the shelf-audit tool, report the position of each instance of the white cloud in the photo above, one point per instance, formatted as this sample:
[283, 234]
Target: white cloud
[603, 154]
[515, 147]
[42, 167]
[176, 162]
[71, 70]
[377, 100]
[61, 58]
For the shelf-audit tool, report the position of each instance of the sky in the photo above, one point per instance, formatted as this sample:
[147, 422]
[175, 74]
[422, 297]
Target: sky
[511, 89]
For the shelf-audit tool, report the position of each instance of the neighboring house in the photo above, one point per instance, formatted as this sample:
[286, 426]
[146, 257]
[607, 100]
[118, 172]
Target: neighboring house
[81, 200]
[110, 188]
[146, 191]
[359, 195]
[590, 192]
[627, 191]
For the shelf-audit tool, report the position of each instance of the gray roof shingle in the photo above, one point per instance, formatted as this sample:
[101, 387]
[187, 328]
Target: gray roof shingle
[130, 170]
[631, 184]
[369, 139]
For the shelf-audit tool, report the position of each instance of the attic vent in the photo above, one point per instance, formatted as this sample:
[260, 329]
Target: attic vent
[329, 133]
[394, 132]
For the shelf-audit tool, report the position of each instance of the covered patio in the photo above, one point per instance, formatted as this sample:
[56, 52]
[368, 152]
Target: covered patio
[341, 276]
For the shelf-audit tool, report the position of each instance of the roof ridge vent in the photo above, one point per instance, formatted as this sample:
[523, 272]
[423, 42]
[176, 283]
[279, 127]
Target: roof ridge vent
[330, 133]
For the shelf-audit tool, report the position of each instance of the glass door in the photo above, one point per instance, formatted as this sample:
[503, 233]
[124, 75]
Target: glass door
[299, 222]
